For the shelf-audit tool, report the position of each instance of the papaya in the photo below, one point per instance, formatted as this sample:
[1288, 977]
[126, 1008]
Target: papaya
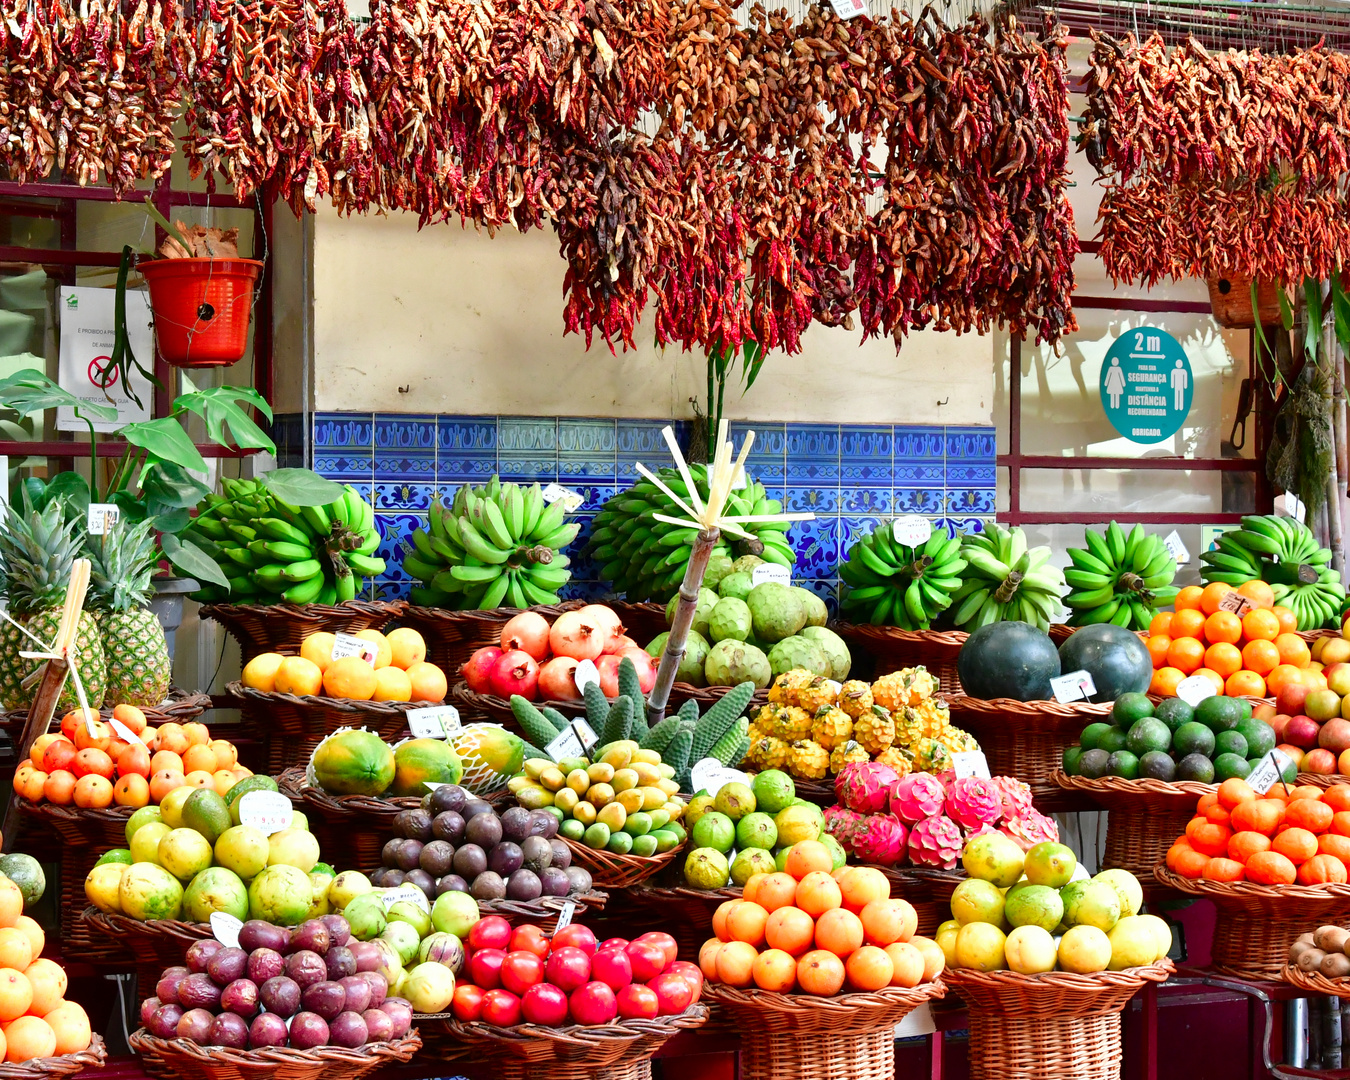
[352, 762]
[489, 754]
[419, 761]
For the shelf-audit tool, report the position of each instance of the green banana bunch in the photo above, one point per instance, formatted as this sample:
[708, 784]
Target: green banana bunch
[645, 559]
[1119, 578]
[1283, 553]
[499, 545]
[891, 584]
[272, 551]
[1006, 581]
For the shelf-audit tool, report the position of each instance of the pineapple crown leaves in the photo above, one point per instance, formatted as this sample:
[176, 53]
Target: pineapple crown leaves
[38, 549]
[122, 562]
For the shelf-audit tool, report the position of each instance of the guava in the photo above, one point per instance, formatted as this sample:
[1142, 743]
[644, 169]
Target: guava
[773, 790]
[243, 849]
[346, 887]
[977, 901]
[454, 913]
[319, 884]
[1127, 887]
[1091, 903]
[142, 816]
[734, 800]
[706, 868]
[1050, 864]
[1030, 950]
[798, 822]
[980, 945]
[148, 891]
[1084, 950]
[102, 885]
[280, 895]
[756, 830]
[1133, 943]
[184, 853]
[748, 862]
[215, 889]
[714, 830]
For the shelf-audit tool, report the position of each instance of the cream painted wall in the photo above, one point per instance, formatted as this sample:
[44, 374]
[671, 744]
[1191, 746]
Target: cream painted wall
[447, 320]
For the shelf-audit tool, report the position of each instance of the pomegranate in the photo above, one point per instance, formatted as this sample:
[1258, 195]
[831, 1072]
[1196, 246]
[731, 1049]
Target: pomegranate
[646, 667]
[477, 669]
[527, 631]
[606, 620]
[557, 679]
[515, 672]
[618, 644]
[608, 666]
[577, 636]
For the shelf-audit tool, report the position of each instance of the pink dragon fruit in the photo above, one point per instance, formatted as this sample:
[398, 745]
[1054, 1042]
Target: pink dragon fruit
[864, 786]
[917, 796]
[880, 838]
[842, 823]
[1030, 828]
[973, 802]
[1016, 796]
[935, 841]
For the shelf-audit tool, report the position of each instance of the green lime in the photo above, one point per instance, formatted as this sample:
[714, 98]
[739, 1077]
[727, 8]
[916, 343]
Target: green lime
[1123, 764]
[1193, 738]
[1246, 707]
[1092, 735]
[1093, 763]
[1219, 713]
[1196, 767]
[1148, 734]
[116, 855]
[1227, 766]
[1174, 712]
[1130, 708]
[1112, 740]
[1071, 756]
[1260, 736]
[1157, 765]
[1230, 742]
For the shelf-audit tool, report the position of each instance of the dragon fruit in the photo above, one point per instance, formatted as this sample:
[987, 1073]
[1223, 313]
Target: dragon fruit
[1030, 828]
[1016, 796]
[973, 802]
[880, 838]
[917, 796]
[864, 786]
[935, 841]
[842, 823]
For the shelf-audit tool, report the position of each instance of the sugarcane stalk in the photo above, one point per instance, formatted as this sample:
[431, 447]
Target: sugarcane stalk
[680, 626]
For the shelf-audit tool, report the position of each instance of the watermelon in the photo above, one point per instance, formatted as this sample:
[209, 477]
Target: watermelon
[490, 754]
[1008, 660]
[419, 761]
[1117, 660]
[352, 761]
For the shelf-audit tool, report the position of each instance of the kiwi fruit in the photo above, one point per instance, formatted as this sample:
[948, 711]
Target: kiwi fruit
[1311, 960]
[1335, 965]
[1298, 948]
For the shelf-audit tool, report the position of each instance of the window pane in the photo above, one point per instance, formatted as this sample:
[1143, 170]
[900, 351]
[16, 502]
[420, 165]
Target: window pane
[1144, 491]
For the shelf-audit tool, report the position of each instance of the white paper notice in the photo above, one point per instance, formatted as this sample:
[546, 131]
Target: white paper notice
[1235, 602]
[101, 518]
[970, 763]
[437, 722]
[1073, 686]
[911, 530]
[565, 916]
[848, 9]
[570, 499]
[266, 811]
[1268, 772]
[567, 744]
[1195, 689]
[585, 674]
[225, 928]
[345, 645]
[409, 894]
[1172, 542]
[86, 351]
[770, 572]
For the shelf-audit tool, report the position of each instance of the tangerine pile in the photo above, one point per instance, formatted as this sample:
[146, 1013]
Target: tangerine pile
[1248, 656]
[813, 928]
[1302, 835]
[399, 672]
[89, 765]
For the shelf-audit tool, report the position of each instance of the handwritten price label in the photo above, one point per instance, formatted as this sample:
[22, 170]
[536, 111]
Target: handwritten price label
[711, 775]
[1172, 542]
[1075, 686]
[1195, 689]
[1235, 602]
[771, 572]
[407, 894]
[911, 530]
[102, 517]
[1268, 772]
[586, 673]
[266, 811]
[565, 916]
[225, 928]
[437, 722]
[570, 499]
[346, 645]
[848, 9]
[970, 763]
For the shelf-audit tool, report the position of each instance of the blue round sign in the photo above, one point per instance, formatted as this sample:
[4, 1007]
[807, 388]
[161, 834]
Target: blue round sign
[1146, 385]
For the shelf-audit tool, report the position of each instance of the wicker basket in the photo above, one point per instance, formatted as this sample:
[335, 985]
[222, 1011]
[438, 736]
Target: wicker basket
[1145, 817]
[803, 1037]
[454, 636]
[893, 649]
[928, 891]
[641, 622]
[1256, 923]
[1322, 780]
[685, 911]
[154, 944]
[179, 707]
[181, 1059]
[49, 1068]
[1056, 1026]
[619, 1050]
[611, 871]
[1230, 299]
[1314, 982]
[78, 937]
[261, 628]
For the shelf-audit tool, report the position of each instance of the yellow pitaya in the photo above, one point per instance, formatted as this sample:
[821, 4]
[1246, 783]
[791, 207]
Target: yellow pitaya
[855, 698]
[808, 760]
[832, 727]
[874, 730]
[846, 753]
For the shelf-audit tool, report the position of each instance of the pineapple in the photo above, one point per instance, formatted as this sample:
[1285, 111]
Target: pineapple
[38, 551]
[134, 646]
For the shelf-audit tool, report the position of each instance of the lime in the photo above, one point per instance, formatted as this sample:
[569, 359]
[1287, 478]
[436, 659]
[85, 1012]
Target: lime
[1219, 713]
[1174, 712]
[1092, 735]
[116, 855]
[1196, 767]
[1148, 734]
[1227, 766]
[1071, 756]
[1157, 765]
[1123, 764]
[1093, 764]
[1246, 707]
[1129, 709]
[1260, 736]
[1230, 742]
[1193, 738]
[1112, 739]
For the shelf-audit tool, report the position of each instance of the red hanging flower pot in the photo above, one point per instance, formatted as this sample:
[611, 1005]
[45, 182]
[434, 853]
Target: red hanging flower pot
[202, 308]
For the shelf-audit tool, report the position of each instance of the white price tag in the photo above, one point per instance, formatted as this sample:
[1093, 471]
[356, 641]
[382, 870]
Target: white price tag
[848, 9]
[566, 745]
[970, 763]
[1195, 689]
[919, 1022]
[570, 499]
[770, 572]
[101, 518]
[125, 733]
[565, 916]
[1235, 602]
[266, 811]
[1268, 772]
[911, 530]
[740, 482]
[585, 733]
[586, 673]
[437, 722]
[225, 928]
[1172, 542]
[1075, 686]
[712, 776]
[410, 894]
[345, 645]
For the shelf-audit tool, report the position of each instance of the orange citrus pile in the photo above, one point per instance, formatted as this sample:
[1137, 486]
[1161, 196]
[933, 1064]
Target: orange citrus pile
[1248, 656]
[1302, 834]
[89, 765]
[400, 671]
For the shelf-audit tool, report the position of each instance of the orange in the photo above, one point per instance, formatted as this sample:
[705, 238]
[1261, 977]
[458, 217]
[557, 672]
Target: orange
[1217, 815]
[1208, 838]
[1216, 680]
[933, 959]
[406, 646]
[745, 922]
[807, 857]
[16, 951]
[1223, 870]
[818, 893]
[1212, 594]
[791, 930]
[885, 921]
[1164, 681]
[1243, 845]
[133, 790]
[840, 931]
[318, 649]
[1160, 623]
[1296, 845]
[1185, 654]
[260, 673]
[11, 903]
[863, 885]
[428, 682]
[774, 891]
[16, 994]
[1187, 623]
[27, 1038]
[1334, 844]
[775, 970]
[1245, 684]
[93, 792]
[1337, 797]
[1258, 592]
[199, 757]
[1235, 791]
[1206, 801]
[1287, 619]
[1310, 814]
[1188, 599]
[1321, 869]
[1305, 791]
[351, 678]
[735, 960]
[173, 737]
[1260, 625]
[1282, 674]
[869, 968]
[1270, 868]
[60, 787]
[1293, 650]
[37, 940]
[820, 972]
[303, 677]
[392, 684]
[1190, 863]
[384, 654]
[1223, 626]
[70, 1023]
[1260, 656]
[1157, 648]
[908, 964]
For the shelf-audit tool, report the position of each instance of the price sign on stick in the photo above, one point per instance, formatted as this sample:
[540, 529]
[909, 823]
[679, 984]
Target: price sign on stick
[1075, 686]
[345, 645]
[266, 811]
[436, 722]
[225, 928]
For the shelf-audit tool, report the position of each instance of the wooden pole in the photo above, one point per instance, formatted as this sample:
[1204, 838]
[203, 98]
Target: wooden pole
[681, 625]
[1335, 520]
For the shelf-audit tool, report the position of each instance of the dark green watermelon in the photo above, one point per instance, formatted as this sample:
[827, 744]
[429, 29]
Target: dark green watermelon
[1115, 657]
[1008, 660]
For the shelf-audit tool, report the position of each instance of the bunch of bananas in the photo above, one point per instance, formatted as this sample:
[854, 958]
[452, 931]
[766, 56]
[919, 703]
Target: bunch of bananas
[1283, 553]
[271, 550]
[1006, 581]
[1119, 579]
[497, 545]
[645, 559]
[892, 584]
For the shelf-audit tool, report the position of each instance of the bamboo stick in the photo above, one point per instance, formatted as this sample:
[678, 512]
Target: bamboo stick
[681, 625]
